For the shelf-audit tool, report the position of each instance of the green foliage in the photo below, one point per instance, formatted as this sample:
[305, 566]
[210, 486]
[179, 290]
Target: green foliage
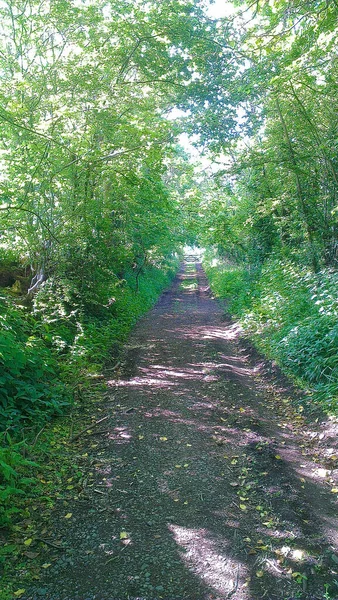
[83, 332]
[278, 179]
[87, 206]
[230, 281]
[88, 119]
[30, 384]
[271, 211]
[15, 477]
[291, 314]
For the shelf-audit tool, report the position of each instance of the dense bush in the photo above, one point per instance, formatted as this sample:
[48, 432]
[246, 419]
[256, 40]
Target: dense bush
[291, 314]
[83, 332]
[29, 379]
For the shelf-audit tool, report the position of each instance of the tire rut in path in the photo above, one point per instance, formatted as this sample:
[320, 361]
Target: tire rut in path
[195, 490]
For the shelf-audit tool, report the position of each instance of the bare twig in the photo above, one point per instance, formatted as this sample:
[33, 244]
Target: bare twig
[114, 367]
[273, 566]
[235, 588]
[48, 543]
[75, 437]
[117, 555]
[37, 436]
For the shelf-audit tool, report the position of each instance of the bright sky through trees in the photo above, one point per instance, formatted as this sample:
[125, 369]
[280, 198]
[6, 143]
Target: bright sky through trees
[219, 9]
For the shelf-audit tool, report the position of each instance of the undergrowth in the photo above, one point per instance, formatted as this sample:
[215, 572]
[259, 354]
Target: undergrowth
[291, 315]
[30, 384]
[81, 328]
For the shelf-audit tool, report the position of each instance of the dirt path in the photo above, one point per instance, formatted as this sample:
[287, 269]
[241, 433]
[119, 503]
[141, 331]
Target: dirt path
[198, 486]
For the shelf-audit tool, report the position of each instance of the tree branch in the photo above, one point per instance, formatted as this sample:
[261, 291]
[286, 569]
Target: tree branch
[32, 212]
[38, 133]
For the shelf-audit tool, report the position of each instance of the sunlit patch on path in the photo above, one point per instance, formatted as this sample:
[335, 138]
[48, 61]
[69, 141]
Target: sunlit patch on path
[200, 553]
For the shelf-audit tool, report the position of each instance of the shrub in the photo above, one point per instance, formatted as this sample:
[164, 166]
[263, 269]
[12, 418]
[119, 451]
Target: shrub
[30, 385]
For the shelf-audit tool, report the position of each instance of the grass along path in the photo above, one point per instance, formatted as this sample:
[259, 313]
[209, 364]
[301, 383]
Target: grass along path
[201, 481]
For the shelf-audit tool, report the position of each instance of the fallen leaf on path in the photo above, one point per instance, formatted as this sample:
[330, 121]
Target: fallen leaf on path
[268, 523]
[28, 542]
[31, 554]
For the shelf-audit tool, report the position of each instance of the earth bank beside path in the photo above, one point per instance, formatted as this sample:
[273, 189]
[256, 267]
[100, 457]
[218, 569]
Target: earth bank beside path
[202, 482]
